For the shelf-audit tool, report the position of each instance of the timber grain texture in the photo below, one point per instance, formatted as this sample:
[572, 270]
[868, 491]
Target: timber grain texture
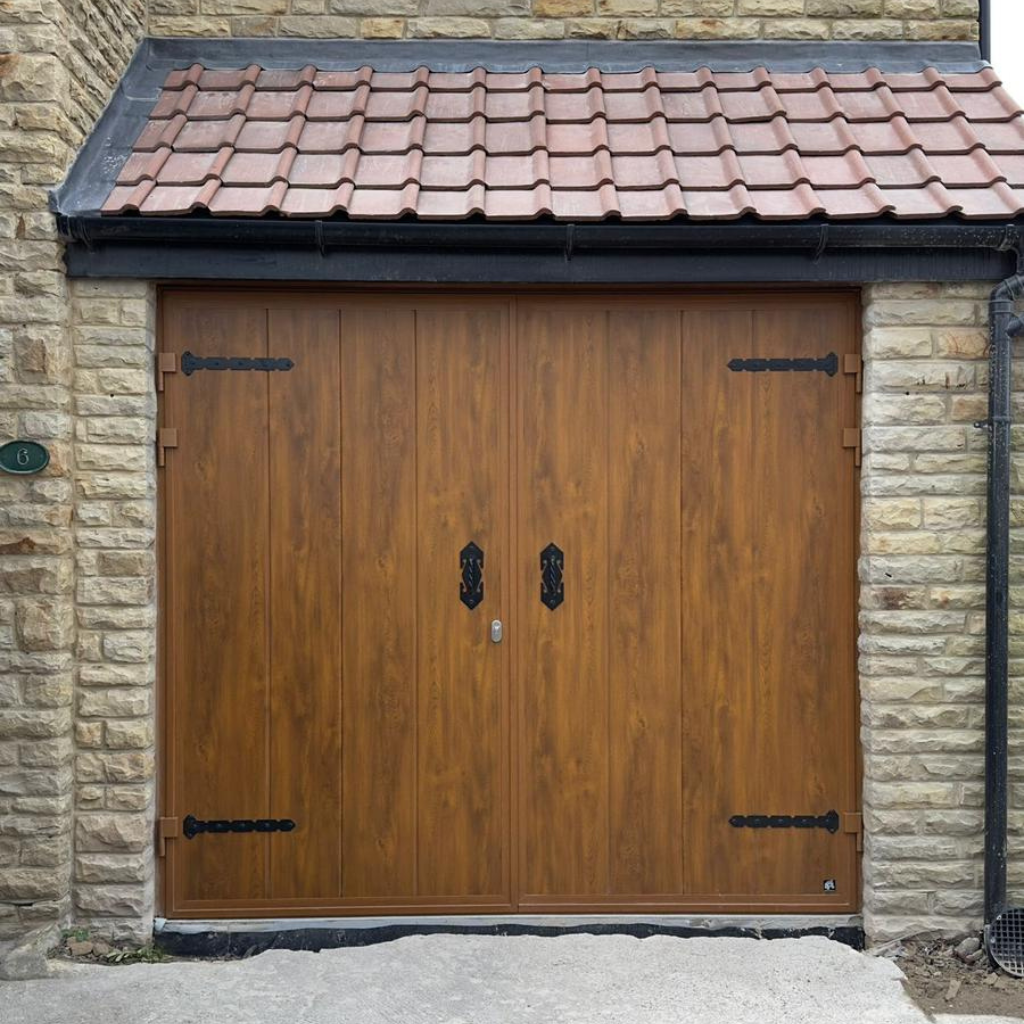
[320, 665]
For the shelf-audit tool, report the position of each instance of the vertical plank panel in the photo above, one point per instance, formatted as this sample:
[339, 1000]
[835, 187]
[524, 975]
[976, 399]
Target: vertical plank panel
[803, 488]
[563, 654]
[463, 732]
[768, 640]
[645, 742]
[218, 519]
[305, 602]
[719, 690]
[379, 629]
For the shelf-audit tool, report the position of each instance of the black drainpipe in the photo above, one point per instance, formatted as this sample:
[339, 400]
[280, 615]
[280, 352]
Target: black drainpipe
[985, 29]
[1004, 325]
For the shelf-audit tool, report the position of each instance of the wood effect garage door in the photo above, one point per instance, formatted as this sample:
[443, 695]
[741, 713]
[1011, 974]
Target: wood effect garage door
[662, 522]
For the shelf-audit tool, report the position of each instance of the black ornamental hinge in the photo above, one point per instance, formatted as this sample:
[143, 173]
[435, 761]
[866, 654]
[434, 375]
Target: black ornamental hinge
[191, 363]
[192, 826]
[829, 821]
[826, 364]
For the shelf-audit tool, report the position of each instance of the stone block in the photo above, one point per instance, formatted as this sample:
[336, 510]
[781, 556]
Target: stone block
[463, 8]
[796, 28]
[322, 27]
[382, 28]
[32, 78]
[867, 28]
[844, 8]
[44, 624]
[695, 8]
[717, 28]
[103, 832]
[120, 702]
[770, 8]
[215, 7]
[522, 28]
[577, 8]
[106, 868]
[29, 883]
[129, 734]
[627, 8]
[111, 590]
[448, 28]
[113, 900]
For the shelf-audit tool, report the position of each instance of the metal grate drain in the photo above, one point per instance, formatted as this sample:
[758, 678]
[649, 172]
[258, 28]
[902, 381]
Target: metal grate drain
[1006, 941]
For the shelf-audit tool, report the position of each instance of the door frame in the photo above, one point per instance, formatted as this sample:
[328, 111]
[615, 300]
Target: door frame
[700, 296]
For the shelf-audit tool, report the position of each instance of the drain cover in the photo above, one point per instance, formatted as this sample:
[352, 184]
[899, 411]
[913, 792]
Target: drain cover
[1006, 941]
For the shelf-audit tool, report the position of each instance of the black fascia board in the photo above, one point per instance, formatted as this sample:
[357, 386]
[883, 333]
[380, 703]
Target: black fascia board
[197, 248]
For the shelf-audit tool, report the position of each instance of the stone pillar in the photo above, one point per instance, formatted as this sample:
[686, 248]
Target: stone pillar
[115, 595]
[36, 560]
[922, 644]
[58, 66]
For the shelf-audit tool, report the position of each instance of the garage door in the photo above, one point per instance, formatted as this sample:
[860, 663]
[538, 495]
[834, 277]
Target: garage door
[499, 603]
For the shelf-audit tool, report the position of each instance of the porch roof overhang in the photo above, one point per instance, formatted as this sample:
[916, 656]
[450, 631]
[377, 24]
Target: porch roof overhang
[836, 163]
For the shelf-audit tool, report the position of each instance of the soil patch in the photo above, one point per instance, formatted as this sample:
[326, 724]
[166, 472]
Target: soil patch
[944, 977]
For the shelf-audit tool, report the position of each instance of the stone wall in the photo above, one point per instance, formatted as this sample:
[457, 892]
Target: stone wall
[115, 606]
[77, 573]
[923, 610]
[570, 19]
[58, 64]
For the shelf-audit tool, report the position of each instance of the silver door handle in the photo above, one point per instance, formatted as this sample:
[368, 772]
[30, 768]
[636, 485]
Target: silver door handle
[496, 631]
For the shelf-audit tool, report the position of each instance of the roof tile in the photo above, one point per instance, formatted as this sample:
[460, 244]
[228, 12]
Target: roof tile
[639, 145]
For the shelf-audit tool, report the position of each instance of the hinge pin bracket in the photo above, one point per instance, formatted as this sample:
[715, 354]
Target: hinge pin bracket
[166, 362]
[166, 437]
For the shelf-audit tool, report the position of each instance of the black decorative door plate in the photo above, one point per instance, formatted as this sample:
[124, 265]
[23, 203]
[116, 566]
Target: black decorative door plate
[471, 565]
[552, 568]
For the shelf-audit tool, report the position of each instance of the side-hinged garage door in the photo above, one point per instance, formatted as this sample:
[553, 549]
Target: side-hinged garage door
[509, 603]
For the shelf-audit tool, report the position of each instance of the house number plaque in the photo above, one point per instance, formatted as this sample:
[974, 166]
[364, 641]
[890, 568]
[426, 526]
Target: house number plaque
[23, 457]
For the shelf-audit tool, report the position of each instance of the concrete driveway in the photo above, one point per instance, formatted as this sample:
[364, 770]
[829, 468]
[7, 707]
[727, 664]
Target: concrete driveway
[455, 979]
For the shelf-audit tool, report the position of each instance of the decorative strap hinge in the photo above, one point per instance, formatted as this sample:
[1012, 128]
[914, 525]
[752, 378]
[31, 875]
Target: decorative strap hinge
[166, 828]
[829, 821]
[166, 437]
[854, 365]
[192, 826]
[853, 825]
[166, 362]
[852, 439]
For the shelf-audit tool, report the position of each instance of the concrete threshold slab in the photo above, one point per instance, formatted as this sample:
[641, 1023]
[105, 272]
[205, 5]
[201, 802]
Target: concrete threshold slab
[245, 937]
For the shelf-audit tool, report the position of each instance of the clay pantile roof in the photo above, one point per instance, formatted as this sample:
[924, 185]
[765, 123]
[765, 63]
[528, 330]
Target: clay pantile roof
[647, 145]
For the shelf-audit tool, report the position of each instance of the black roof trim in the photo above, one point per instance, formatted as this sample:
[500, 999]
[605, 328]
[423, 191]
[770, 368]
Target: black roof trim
[96, 167]
[488, 252]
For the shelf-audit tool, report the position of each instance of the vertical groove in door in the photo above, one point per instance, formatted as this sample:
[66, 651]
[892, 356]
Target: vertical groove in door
[416, 598]
[684, 828]
[609, 591]
[268, 625]
[340, 626]
[511, 588]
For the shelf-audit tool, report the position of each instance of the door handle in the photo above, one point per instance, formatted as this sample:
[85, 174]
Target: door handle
[496, 631]
[552, 568]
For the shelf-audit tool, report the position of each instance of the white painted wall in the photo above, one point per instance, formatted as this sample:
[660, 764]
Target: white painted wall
[1008, 44]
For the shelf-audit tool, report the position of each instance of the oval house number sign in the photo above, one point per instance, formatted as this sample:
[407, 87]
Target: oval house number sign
[23, 457]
